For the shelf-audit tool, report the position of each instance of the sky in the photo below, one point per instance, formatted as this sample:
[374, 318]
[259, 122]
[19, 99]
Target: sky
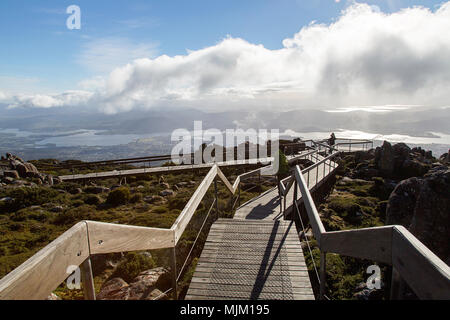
[215, 55]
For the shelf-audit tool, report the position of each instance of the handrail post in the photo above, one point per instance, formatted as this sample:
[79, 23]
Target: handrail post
[88, 280]
[217, 199]
[173, 263]
[294, 206]
[323, 262]
[397, 285]
[239, 193]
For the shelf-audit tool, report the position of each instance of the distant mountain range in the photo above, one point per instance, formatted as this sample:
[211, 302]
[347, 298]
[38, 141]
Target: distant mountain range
[414, 122]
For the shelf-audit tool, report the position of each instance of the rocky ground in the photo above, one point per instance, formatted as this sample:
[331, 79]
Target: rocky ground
[36, 207]
[392, 184]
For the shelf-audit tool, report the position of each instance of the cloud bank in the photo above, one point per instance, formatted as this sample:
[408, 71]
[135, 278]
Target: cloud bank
[365, 57]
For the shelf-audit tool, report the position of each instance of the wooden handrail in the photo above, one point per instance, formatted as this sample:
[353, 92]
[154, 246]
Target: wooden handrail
[426, 274]
[44, 271]
[37, 277]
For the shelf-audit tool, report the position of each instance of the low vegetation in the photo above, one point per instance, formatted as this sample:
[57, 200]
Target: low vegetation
[33, 216]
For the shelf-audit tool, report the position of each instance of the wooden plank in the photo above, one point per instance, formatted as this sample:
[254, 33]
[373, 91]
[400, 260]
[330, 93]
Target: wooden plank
[368, 243]
[37, 277]
[426, 274]
[212, 264]
[237, 287]
[109, 238]
[130, 172]
[212, 268]
[200, 293]
[225, 181]
[299, 277]
[189, 210]
[314, 218]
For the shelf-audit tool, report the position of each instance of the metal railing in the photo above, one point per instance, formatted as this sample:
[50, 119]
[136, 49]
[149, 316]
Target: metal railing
[393, 245]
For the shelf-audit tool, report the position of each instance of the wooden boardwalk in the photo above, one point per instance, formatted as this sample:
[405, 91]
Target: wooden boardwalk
[255, 255]
[140, 171]
[250, 260]
[267, 205]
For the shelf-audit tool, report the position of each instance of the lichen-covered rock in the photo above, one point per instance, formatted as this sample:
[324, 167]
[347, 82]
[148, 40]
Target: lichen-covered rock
[146, 286]
[401, 161]
[154, 199]
[167, 193]
[11, 173]
[423, 207]
[384, 158]
[114, 289]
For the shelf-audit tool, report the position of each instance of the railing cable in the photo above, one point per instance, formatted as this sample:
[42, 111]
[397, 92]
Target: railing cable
[307, 242]
[195, 241]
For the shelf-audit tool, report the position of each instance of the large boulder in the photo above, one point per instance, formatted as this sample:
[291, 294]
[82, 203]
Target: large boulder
[422, 205]
[25, 169]
[11, 173]
[384, 158]
[401, 161]
[114, 289]
[146, 286]
[445, 158]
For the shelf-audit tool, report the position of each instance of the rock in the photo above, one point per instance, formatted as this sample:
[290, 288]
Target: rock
[182, 184]
[76, 191]
[166, 193]
[53, 297]
[146, 282]
[308, 235]
[97, 189]
[364, 293]
[165, 185]
[11, 173]
[114, 289]
[143, 287]
[384, 158]
[156, 294]
[413, 168]
[154, 199]
[57, 180]
[401, 161]
[57, 209]
[25, 169]
[422, 205]
[19, 183]
[445, 158]
[49, 180]
[361, 156]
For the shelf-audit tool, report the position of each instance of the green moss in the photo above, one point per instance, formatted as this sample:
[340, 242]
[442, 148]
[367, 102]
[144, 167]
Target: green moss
[135, 198]
[92, 200]
[134, 264]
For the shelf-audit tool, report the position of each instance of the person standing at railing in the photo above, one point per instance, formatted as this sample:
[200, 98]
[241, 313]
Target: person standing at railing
[332, 141]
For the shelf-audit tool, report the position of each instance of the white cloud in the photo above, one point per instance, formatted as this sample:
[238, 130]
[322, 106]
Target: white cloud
[68, 98]
[365, 57]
